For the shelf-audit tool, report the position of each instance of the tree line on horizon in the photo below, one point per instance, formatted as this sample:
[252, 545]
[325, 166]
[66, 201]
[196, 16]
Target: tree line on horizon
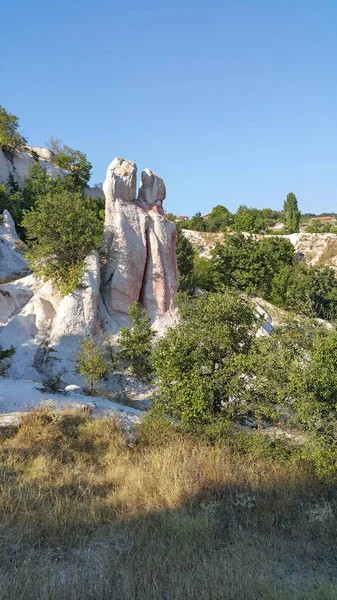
[245, 219]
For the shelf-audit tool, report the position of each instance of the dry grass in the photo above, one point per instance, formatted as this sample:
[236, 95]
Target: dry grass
[86, 513]
[329, 254]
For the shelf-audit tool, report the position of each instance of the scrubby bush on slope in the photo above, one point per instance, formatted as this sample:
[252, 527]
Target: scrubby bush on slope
[11, 139]
[62, 229]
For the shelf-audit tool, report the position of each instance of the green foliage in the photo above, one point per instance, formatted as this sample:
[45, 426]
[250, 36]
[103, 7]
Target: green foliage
[315, 390]
[250, 265]
[4, 354]
[196, 362]
[202, 273]
[185, 256]
[53, 383]
[63, 228]
[317, 226]
[10, 138]
[308, 290]
[292, 215]
[91, 362]
[76, 162]
[10, 199]
[218, 219]
[196, 223]
[253, 220]
[135, 343]
[268, 268]
[170, 216]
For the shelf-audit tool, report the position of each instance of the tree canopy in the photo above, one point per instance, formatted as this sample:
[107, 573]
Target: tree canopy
[292, 215]
[10, 137]
[62, 228]
[196, 361]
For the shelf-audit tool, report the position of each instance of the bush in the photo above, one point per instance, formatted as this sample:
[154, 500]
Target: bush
[185, 255]
[92, 362]
[63, 228]
[76, 162]
[197, 361]
[10, 138]
[135, 343]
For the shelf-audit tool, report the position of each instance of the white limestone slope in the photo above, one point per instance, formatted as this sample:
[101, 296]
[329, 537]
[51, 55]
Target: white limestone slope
[49, 321]
[18, 397]
[18, 165]
[12, 261]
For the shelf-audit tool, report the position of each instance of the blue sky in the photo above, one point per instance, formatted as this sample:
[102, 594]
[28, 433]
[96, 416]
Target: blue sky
[231, 102]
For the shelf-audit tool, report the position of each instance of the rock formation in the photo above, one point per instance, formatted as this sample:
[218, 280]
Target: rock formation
[12, 261]
[137, 264]
[138, 243]
[48, 321]
[18, 165]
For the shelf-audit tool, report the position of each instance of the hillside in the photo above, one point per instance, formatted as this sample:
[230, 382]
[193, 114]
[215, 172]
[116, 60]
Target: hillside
[317, 249]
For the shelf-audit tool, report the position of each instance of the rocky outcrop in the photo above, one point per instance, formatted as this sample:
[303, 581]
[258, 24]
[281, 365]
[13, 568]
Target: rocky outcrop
[138, 245]
[12, 261]
[48, 321]
[137, 263]
[19, 163]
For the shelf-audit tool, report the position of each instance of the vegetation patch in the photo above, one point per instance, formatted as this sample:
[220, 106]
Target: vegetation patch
[169, 514]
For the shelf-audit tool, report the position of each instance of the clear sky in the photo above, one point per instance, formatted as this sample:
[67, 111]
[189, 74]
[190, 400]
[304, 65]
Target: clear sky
[230, 101]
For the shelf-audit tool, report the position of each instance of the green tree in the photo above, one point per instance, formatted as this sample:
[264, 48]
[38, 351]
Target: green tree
[170, 216]
[250, 265]
[202, 273]
[135, 342]
[10, 199]
[185, 255]
[11, 139]
[62, 228]
[91, 362]
[292, 215]
[308, 290]
[196, 223]
[248, 220]
[196, 361]
[315, 389]
[77, 163]
[218, 219]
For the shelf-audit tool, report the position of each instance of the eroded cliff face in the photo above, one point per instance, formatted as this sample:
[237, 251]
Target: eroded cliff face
[12, 261]
[137, 263]
[18, 165]
[138, 243]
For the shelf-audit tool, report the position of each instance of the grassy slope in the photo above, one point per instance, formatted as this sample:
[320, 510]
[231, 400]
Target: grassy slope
[87, 513]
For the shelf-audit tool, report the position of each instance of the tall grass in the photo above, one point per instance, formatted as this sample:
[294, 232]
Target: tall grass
[88, 513]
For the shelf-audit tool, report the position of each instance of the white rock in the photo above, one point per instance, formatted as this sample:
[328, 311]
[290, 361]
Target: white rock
[12, 262]
[138, 243]
[18, 166]
[43, 153]
[50, 321]
[73, 388]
